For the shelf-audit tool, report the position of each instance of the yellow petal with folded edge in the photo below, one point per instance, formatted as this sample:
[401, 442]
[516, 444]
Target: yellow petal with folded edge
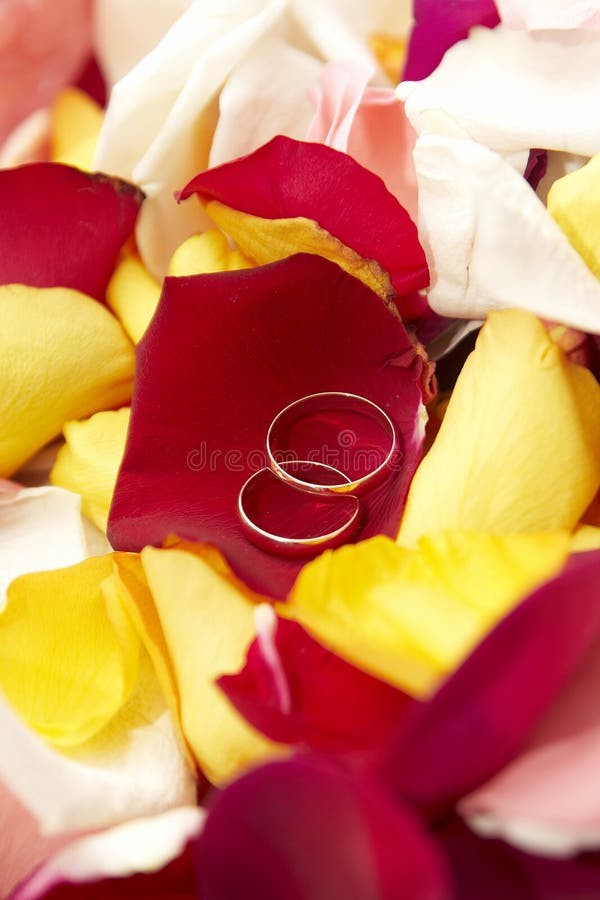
[410, 617]
[133, 296]
[586, 537]
[519, 447]
[63, 356]
[68, 653]
[208, 625]
[574, 202]
[268, 240]
[89, 461]
[75, 127]
[206, 253]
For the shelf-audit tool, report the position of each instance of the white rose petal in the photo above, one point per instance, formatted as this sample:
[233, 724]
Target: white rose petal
[513, 90]
[491, 243]
[40, 529]
[140, 846]
[135, 766]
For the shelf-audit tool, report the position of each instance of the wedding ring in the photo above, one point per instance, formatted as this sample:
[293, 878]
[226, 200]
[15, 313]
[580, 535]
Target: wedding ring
[294, 546]
[332, 402]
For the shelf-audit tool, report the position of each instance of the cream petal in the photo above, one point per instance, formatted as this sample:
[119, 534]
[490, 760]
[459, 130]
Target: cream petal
[265, 95]
[126, 32]
[40, 528]
[161, 117]
[140, 846]
[540, 14]
[516, 101]
[135, 766]
[490, 242]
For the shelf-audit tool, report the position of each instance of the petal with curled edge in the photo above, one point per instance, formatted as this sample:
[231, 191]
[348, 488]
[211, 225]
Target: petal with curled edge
[369, 235]
[479, 720]
[410, 617]
[63, 227]
[141, 858]
[241, 346]
[40, 528]
[490, 242]
[207, 624]
[69, 658]
[295, 690]
[89, 461]
[62, 356]
[531, 108]
[519, 447]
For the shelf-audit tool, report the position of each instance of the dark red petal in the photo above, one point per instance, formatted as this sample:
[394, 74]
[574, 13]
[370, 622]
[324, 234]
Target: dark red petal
[479, 719]
[485, 869]
[62, 227]
[329, 704]
[438, 26]
[287, 178]
[304, 830]
[222, 356]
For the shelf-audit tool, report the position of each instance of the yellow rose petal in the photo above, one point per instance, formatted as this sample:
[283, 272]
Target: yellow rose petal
[519, 447]
[133, 296]
[410, 617]
[89, 461]
[586, 537]
[574, 202]
[63, 356]
[76, 123]
[206, 253]
[208, 625]
[268, 240]
[68, 654]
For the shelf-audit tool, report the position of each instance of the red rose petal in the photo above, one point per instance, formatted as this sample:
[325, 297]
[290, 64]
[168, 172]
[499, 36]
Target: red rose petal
[479, 719]
[287, 178]
[329, 703]
[223, 355]
[306, 830]
[62, 227]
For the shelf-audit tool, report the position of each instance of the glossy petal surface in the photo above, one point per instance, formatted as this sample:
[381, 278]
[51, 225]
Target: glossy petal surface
[519, 447]
[62, 356]
[311, 180]
[242, 345]
[480, 718]
[296, 691]
[63, 227]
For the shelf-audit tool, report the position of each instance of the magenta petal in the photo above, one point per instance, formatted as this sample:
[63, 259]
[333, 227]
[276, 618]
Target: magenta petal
[305, 830]
[223, 355]
[438, 26]
[324, 702]
[480, 718]
[62, 227]
[485, 869]
[287, 178]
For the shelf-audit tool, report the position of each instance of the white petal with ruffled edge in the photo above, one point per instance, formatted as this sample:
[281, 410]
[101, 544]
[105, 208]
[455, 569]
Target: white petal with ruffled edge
[490, 242]
[135, 766]
[532, 89]
[140, 846]
[40, 529]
